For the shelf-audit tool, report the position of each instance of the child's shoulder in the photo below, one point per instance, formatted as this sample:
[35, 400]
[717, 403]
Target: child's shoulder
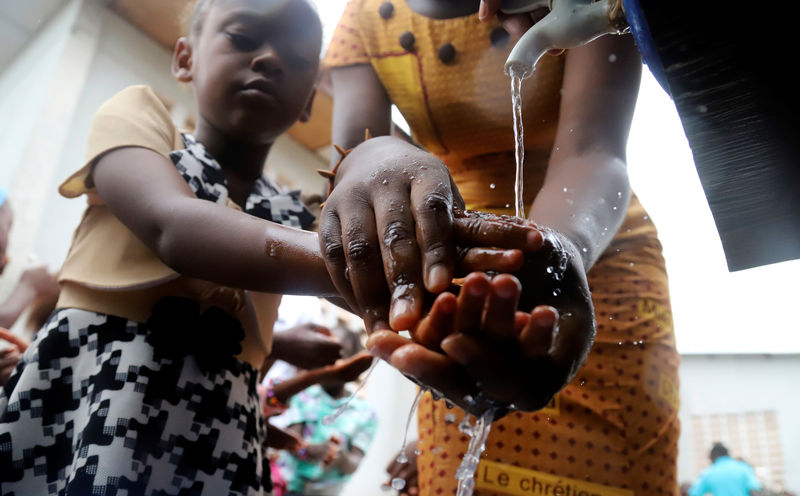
[134, 99]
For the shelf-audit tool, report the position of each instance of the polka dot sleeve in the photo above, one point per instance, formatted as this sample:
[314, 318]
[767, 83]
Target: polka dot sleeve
[347, 46]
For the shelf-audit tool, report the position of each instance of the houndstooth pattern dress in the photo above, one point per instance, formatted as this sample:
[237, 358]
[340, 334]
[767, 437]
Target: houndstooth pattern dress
[97, 406]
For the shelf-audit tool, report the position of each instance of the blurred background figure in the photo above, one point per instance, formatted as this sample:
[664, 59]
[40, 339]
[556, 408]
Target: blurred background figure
[726, 476]
[6, 219]
[336, 429]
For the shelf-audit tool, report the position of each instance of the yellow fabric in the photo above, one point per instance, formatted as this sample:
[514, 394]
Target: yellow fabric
[616, 424]
[108, 269]
[461, 111]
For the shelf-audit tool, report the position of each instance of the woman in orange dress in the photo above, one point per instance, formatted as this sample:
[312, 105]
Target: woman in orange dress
[612, 429]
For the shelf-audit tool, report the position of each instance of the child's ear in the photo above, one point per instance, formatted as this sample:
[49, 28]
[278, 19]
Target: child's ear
[182, 60]
[306, 115]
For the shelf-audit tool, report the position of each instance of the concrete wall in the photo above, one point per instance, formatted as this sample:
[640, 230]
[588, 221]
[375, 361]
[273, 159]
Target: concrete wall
[725, 384]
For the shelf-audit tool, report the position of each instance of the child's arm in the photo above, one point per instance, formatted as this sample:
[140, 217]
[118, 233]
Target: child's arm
[34, 284]
[345, 370]
[200, 239]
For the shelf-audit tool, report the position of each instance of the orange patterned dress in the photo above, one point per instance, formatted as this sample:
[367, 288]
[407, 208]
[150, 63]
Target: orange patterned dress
[614, 429]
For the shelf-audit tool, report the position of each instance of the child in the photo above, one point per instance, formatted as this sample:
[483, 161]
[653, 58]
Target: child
[144, 378]
[332, 449]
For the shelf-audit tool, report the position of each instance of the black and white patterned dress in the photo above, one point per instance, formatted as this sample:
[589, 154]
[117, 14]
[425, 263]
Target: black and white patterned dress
[101, 405]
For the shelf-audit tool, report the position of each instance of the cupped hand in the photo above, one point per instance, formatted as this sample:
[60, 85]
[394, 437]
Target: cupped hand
[479, 352]
[393, 211]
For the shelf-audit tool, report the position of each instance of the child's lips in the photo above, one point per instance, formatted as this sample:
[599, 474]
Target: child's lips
[260, 89]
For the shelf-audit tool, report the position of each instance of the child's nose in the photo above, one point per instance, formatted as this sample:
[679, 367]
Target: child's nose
[268, 62]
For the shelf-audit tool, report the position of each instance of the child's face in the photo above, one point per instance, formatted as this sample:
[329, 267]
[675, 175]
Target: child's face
[254, 66]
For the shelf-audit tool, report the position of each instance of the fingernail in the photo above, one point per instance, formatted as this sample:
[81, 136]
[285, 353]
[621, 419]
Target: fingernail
[533, 241]
[482, 11]
[545, 320]
[438, 278]
[400, 308]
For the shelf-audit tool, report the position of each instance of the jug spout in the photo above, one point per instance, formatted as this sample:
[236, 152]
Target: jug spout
[569, 24]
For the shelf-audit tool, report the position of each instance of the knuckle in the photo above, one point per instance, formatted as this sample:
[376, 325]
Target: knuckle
[359, 251]
[396, 234]
[333, 250]
[437, 202]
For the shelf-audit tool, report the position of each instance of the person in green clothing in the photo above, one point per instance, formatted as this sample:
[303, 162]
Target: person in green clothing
[333, 443]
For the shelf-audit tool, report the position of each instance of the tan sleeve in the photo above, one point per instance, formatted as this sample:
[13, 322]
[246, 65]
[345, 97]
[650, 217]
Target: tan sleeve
[347, 45]
[133, 117]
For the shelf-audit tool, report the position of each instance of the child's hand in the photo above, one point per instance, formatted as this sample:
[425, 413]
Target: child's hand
[10, 357]
[323, 453]
[405, 471]
[392, 212]
[478, 351]
[348, 369]
[307, 346]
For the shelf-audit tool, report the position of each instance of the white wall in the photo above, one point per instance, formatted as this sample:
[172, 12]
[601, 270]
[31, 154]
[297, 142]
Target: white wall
[725, 384]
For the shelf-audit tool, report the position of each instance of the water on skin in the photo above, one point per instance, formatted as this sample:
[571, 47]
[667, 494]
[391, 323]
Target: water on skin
[329, 419]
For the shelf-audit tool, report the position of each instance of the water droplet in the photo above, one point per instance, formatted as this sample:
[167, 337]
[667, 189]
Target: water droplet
[566, 189]
[398, 483]
[613, 208]
[619, 194]
[385, 181]
[417, 451]
[631, 264]
[508, 205]
[570, 130]
[645, 217]
[401, 458]
[549, 270]
[492, 186]
[612, 58]
[702, 109]
[585, 250]
[556, 292]
[450, 418]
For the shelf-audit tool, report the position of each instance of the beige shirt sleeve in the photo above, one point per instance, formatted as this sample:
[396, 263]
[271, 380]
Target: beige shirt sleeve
[134, 117]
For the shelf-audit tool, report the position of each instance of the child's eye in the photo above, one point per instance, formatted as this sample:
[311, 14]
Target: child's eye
[242, 42]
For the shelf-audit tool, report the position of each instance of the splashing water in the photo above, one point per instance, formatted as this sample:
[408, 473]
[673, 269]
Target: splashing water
[519, 138]
[402, 458]
[330, 419]
[478, 434]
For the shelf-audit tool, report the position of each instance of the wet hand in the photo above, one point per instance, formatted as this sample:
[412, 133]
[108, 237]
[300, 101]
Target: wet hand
[393, 211]
[479, 352]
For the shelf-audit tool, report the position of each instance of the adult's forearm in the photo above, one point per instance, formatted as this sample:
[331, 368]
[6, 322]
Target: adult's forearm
[585, 198]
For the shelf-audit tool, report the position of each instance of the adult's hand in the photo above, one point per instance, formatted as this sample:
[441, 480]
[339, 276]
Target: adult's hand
[515, 24]
[480, 352]
[393, 211]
